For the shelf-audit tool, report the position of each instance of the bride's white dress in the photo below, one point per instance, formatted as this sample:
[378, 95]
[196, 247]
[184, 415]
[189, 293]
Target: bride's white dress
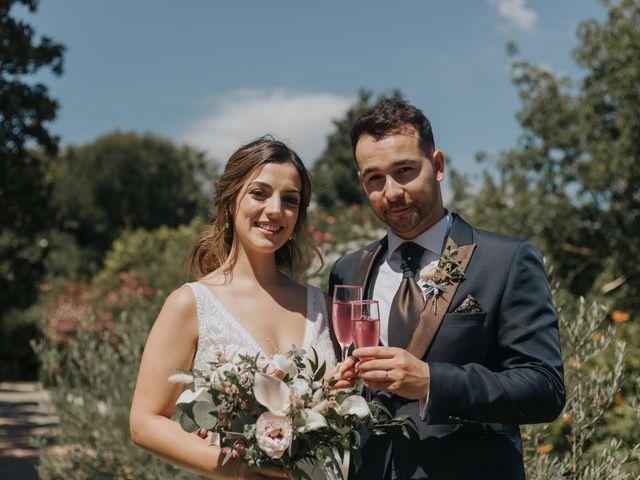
[219, 331]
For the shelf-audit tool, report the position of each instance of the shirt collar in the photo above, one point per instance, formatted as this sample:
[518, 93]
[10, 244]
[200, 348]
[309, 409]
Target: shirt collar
[431, 239]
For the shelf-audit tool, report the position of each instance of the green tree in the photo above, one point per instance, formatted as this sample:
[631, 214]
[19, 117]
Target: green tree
[25, 146]
[335, 175]
[25, 143]
[573, 182]
[123, 181]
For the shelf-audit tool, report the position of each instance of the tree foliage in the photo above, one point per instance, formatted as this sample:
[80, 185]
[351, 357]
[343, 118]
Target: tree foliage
[335, 176]
[25, 143]
[573, 182]
[125, 181]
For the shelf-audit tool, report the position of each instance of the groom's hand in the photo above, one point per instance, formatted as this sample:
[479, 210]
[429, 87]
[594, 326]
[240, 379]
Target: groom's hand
[394, 370]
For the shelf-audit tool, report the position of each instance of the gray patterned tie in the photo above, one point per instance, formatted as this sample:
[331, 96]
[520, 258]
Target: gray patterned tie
[408, 301]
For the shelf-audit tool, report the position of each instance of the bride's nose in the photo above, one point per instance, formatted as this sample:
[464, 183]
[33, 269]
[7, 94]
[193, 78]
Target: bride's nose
[274, 206]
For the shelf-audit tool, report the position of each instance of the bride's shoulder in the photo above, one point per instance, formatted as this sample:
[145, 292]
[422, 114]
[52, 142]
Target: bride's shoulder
[181, 302]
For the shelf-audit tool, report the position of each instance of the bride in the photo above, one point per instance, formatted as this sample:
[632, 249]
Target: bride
[244, 302]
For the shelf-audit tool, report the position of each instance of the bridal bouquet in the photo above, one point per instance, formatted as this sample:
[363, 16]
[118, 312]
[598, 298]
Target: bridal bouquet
[279, 412]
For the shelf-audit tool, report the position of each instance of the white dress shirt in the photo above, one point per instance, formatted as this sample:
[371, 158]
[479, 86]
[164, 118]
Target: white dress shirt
[389, 274]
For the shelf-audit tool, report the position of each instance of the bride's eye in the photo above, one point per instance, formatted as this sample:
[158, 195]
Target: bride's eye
[258, 193]
[291, 200]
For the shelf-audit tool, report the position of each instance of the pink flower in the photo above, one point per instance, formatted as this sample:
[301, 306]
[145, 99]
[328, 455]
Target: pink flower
[279, 366]
[235, 451]
[273, 434]
[275, 372]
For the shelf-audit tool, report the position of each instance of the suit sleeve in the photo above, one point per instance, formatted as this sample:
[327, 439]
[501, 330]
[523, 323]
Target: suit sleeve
[529, 386]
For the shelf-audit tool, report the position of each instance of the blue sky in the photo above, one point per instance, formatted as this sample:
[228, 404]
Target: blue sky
[217, 74]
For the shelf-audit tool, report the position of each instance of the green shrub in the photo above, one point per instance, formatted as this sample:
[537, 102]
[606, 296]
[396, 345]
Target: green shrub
[585, 442]
[158, 257]
[91, 366]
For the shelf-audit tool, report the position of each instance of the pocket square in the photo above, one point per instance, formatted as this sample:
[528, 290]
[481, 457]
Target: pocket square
[469, 305]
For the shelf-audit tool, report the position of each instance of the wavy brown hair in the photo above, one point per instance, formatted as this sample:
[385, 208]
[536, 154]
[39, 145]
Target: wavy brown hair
[214, 248]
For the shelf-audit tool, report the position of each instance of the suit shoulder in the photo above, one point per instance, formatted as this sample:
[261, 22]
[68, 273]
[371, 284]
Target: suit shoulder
[507, 246]
[352, 257]
[488, 237]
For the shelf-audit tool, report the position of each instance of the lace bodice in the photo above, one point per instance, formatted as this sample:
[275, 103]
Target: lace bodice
[219, 331]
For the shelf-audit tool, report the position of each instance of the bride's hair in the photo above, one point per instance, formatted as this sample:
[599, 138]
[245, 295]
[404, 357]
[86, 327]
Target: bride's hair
[214, 247]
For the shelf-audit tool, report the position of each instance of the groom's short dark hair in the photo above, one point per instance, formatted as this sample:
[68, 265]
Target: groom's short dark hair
[390, 116]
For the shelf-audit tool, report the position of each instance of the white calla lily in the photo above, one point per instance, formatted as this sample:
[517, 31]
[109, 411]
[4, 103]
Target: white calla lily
[271, 393]
[309, 420]
[354, 405]
[188, 396]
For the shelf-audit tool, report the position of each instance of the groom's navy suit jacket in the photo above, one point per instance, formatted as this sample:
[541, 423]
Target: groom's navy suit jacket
[490, 370]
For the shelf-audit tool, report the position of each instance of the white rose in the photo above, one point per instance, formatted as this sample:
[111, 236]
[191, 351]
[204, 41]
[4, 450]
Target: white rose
[429, 271]
[301, 387]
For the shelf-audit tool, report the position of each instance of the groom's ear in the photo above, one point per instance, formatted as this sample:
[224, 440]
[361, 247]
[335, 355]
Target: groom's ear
[437, 160]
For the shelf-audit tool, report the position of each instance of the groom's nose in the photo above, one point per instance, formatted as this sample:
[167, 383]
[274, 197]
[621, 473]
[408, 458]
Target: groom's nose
[393, 191]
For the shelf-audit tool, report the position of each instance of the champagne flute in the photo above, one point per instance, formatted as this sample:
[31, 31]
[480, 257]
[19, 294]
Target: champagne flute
[365, 324]
[343, 295]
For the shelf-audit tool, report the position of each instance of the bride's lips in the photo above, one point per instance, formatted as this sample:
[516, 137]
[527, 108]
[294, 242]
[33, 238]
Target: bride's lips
[269, 229]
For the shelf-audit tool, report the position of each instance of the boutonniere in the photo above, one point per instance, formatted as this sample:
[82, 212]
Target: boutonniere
[438, 274]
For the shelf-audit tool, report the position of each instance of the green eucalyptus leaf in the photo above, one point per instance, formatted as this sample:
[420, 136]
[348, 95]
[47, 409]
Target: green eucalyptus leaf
[187, 423]
[202, 413]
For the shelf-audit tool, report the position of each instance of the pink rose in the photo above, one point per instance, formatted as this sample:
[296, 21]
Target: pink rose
[275, 372]
[273, 434]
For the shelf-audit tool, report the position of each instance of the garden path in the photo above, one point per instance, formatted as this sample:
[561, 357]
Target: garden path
[24, 417]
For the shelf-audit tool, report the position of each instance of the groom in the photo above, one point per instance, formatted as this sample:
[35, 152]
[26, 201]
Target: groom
[469, 351]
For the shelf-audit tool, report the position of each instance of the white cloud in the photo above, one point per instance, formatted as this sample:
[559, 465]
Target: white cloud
[301, 119]
[516, 13]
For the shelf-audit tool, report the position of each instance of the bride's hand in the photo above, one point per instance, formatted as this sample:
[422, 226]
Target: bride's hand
[344, 373]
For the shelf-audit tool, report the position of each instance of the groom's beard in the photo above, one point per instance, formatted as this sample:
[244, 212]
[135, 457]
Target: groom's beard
[419, 218]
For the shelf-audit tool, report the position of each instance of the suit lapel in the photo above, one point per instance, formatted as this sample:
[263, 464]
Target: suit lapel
[364, 267]
[460, 238]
